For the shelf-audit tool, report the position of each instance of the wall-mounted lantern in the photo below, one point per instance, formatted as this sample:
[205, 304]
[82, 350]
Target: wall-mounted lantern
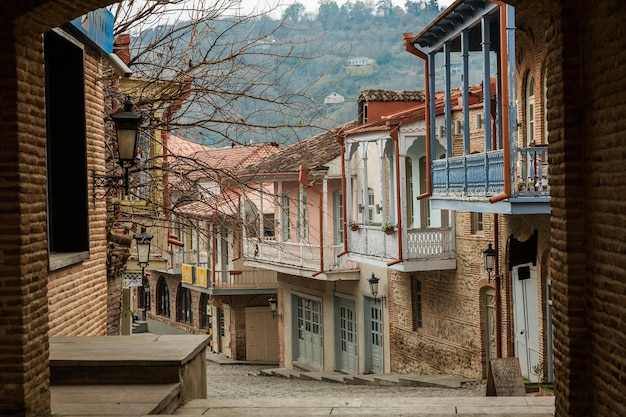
[273, 302]
[490, 255]
[127, 134]
[373, 281]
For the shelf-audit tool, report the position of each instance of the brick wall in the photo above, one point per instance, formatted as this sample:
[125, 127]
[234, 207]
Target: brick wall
[24, 319]
[23, 247]
[77, 295]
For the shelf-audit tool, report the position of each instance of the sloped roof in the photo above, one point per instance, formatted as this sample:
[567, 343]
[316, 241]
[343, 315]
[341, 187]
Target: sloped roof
[312, 153]
[392, 95]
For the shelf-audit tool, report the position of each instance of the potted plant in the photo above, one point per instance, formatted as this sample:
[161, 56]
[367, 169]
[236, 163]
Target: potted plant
[354, 226]
[388, 228]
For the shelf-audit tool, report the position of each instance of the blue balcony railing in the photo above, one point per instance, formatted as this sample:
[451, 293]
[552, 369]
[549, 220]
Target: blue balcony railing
[482, 175]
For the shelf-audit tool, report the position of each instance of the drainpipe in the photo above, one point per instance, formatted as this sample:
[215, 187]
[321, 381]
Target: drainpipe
[498, 297]
[409, 47]
[340, 140]
[394, 134]
[302, 178]
[239, 229]
[506, 151]
[213, 247]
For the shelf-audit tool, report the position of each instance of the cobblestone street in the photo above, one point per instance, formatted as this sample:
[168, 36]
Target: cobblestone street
[242, 381]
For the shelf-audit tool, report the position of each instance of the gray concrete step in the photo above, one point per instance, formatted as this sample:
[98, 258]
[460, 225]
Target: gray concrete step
[439, 381]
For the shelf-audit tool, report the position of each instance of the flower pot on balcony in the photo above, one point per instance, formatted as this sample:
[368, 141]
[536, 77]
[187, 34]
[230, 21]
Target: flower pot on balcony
[354, 228]
[389, 232]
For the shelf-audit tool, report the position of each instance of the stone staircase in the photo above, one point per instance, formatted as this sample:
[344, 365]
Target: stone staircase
[411, 380]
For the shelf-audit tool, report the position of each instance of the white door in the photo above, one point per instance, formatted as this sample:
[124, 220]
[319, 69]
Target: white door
[526, 320]
[346, 337]
[309, 331]
[375, 345]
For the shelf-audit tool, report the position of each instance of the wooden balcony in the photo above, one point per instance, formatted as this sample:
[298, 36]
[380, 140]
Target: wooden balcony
[248, 281]
[458, 183]
[301, 259]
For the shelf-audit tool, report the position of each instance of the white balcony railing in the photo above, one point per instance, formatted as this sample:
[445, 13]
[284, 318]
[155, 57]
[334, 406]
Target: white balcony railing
[421, 244]
[296, 255]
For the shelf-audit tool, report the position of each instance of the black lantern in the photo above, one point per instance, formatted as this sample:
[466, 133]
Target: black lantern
[127, 132]
[143, 247]
[489, 255]
[373, 281]
[127, 127]
[273, 305]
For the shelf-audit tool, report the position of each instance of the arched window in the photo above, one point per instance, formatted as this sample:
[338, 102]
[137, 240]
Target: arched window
[205, 312]
[163, 297]
[183, 305]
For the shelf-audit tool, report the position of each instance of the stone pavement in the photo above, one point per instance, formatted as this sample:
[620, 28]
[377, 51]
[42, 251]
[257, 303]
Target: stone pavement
[363, 406]
[242, 390]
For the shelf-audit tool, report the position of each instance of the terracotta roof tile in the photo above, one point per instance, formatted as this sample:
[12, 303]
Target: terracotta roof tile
[312, 152]
[392, 95]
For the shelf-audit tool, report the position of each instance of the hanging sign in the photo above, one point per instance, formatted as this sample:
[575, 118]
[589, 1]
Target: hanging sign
[132, 279]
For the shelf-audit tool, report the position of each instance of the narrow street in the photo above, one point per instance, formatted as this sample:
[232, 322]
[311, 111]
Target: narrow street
[241, 381]
[240, 390]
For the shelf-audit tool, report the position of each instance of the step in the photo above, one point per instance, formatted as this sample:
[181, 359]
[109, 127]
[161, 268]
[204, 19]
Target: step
[282, 372]
[115, 400]
[438, 381]
[140, 327]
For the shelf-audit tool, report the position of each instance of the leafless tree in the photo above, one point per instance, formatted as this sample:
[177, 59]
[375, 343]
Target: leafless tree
[209, 71]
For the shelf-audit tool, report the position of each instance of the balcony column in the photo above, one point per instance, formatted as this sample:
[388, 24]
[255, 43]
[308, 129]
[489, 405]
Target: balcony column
[352, 148]
[448, 92]
[486, 46]
[465, 56]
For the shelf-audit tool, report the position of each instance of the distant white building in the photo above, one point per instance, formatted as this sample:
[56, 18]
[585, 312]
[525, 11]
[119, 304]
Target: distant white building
[334, 98]
[361, 61]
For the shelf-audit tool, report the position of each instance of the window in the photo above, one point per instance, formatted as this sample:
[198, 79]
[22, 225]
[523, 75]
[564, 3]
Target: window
[163, 298]
[416, 299]
[206, 321]
[303, 215]
[337, 217]
[66, 147]
[477, 223]
[409, 193]
[284, 206]
[367, 213]
[184, 312]
[371, 206]
[268, 225]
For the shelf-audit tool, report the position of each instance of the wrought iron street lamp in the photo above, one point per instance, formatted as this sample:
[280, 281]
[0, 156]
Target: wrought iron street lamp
[489, 262]
[127, 133]
[373, 281]
[144, 241]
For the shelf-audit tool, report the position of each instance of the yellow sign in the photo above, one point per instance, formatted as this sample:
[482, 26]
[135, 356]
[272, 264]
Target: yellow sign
[187, 273]
[202, 273]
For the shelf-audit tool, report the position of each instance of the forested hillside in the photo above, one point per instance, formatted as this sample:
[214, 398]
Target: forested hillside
[300, 57]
